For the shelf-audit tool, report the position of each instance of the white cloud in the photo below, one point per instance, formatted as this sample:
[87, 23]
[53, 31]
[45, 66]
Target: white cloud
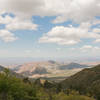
[97, 41]
[90, 48]
[60, 19]
[5, 20]
[7, 36]
[86, 47]
[58, 49]
[96, 22]
[21, 25]
[17, 24]
[77, 10]
[68, 35]
[23, 8]
[28, 51]
[13, 24]
[96, 30]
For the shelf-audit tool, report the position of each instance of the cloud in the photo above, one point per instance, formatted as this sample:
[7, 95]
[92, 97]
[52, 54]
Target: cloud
[96, 22]
[96, 30]
[86, 47]
[28, 51]
[22, 8]
[7, 36]
[13, 24]
[68, 35]
[97, 41]
[20, 21]
[90, 48]
[76, 10]
[58, 49]
[5, 20]
[17, 24]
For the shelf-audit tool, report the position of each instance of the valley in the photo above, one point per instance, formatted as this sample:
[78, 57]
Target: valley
[82, 85]
[48, 69]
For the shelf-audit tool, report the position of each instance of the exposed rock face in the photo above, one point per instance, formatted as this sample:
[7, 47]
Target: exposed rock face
[47, 69]
[39, 70]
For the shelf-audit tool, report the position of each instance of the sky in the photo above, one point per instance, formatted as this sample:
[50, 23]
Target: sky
[68, 29]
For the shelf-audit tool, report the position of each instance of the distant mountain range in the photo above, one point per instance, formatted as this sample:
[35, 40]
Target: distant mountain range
[72, 66]
[47, 69]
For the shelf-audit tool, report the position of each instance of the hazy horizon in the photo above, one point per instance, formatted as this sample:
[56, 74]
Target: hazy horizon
[22, 60]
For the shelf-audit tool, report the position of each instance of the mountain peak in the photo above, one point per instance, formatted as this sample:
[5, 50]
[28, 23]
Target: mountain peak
[52, 62]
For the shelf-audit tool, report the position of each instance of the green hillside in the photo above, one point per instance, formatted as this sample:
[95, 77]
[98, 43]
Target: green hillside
[86, 81]
[14, 88]
[12, 73]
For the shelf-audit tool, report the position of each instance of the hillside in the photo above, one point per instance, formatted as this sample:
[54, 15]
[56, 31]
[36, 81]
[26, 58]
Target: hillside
[48, 69]
[48, 90]
[72, 66]
[12, 88]
[87, 80]
[12, 73]
[1, 68]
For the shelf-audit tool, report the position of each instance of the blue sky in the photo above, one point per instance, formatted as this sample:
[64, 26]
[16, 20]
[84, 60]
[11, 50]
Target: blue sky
[50, 29]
